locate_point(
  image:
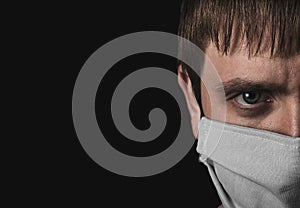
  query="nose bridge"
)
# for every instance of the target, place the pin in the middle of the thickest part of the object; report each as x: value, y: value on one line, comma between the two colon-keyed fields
x: 291, y: 116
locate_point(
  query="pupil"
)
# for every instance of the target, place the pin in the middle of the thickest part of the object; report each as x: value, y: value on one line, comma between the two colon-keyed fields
x: 251, y: 97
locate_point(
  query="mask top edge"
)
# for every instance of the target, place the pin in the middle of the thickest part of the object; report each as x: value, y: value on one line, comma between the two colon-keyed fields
x: 206, y: 123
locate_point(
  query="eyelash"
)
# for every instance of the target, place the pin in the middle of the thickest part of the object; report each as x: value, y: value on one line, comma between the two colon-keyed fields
x: 264, y: 99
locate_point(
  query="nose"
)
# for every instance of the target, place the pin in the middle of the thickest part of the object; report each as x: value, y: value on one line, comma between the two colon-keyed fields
x: 289, y: 123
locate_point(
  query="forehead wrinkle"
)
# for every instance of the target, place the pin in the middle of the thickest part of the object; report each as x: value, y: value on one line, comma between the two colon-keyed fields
x: 283, y: 71
x: 292, y: 72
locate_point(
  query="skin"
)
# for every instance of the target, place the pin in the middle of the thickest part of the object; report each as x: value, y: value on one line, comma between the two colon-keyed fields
x: 276, y: 107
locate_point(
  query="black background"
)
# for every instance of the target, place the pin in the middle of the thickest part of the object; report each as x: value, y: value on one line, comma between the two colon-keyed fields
x: 66, y: 35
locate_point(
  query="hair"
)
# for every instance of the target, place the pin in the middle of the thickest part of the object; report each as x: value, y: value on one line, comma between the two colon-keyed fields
x: 261, y: 26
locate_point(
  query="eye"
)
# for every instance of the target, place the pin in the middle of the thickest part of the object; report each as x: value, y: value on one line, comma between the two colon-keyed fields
x: 252, y: 103
x: 252, y: 98
x: 248, y: 98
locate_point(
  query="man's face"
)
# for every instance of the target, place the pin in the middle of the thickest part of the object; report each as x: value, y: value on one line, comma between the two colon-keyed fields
x: 261, y: 93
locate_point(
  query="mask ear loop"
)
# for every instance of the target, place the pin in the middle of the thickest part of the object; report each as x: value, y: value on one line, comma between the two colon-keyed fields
x: 227, y: 203
x: 220, y: 190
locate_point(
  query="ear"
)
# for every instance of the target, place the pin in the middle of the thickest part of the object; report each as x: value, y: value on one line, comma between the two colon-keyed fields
x: 185, y: 84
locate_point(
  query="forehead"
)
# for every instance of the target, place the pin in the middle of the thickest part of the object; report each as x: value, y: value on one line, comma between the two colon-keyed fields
x: 258, y: 68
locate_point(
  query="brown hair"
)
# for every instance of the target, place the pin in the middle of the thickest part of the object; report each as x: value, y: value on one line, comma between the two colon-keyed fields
x: 263, y: 25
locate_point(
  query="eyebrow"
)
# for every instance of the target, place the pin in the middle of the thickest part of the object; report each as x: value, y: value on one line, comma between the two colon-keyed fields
x: 242, y: 85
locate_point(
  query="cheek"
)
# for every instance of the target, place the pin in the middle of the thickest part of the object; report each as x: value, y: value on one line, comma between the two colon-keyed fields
x: 205, y: 101
x: 206, y: 105
x: 212, y: 104
x: 257, y: 120
x: 284, y: 120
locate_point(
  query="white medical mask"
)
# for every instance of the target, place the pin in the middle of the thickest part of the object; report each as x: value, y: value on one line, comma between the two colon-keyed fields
x: 250, y: 167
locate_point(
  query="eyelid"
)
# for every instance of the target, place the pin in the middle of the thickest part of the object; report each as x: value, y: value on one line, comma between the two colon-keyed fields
x: 252, y: 110
x: 238, y: 84
x: 235, y: 93
x: 261, y: 99
x: 257, y: 105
